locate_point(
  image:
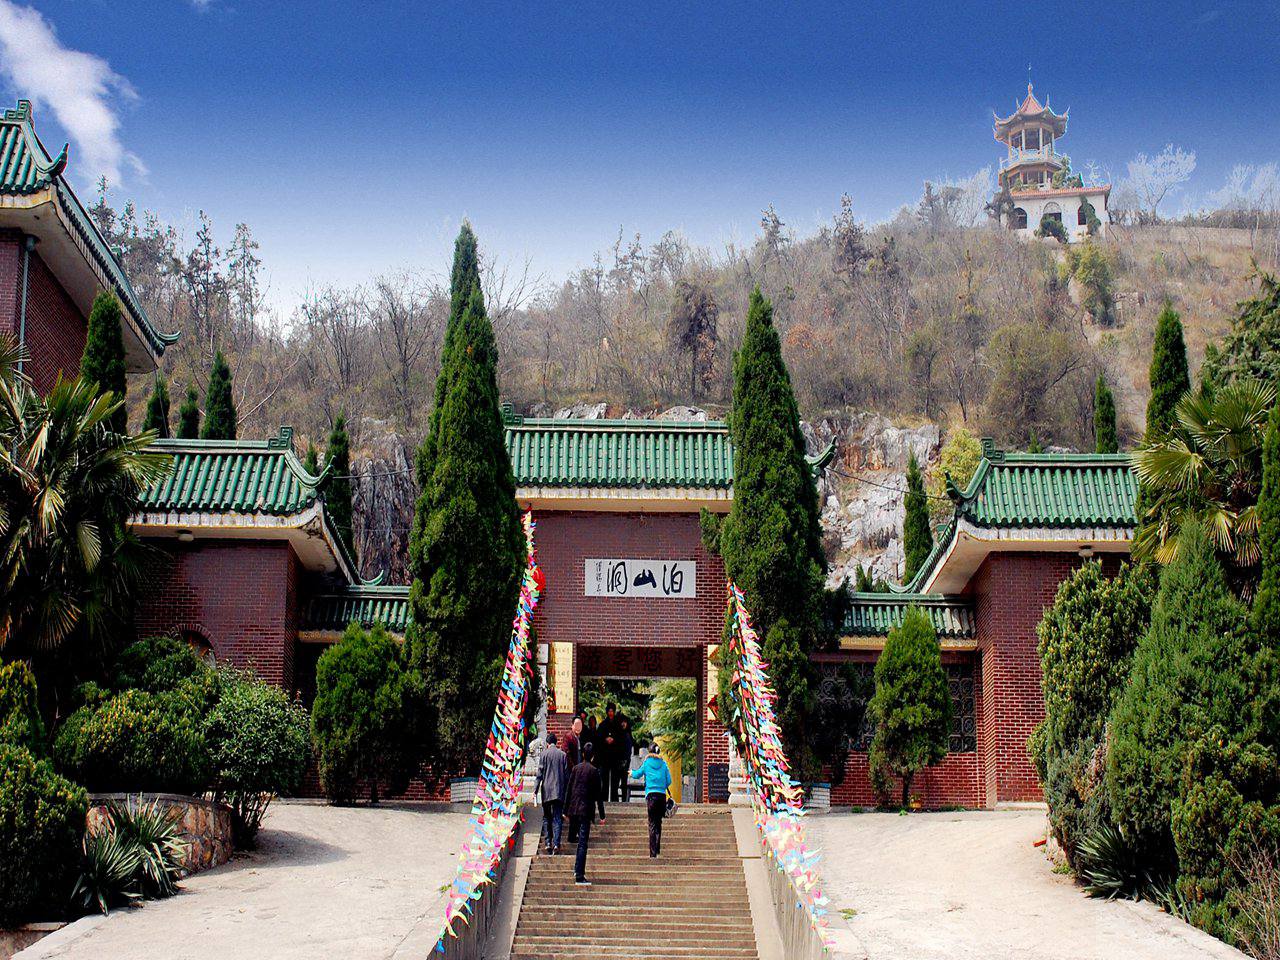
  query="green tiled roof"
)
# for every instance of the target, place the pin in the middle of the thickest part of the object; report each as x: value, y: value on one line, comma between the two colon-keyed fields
x: 875, y: 614
x: 1051, y: 490
x: 620, y: 453
x: 26, y: 167
x: 233, y: 476
x: 364, y: 604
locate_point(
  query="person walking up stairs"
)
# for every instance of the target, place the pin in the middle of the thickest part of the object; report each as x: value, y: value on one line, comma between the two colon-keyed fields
x: 691, y: 904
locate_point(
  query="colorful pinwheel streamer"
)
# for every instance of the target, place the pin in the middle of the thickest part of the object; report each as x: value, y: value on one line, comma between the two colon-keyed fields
x: 776, y: 799
x: 496, y: 809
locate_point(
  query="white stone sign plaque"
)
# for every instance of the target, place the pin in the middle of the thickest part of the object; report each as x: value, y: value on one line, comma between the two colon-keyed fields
x: 669, y: 579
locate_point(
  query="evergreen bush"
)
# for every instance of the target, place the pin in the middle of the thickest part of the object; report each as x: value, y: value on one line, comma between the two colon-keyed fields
x: 134, y: 741
x: 1188, y: 672
x: 1052, y: 227
x: 103, y: 359
x: 337, y: 494
x: 362, y: 718
x: 155, y: 664
x: 258, y: 741
x: 1105, y: 437
x: 189, y: 416
x: 911, y: 706
x: 917, y: 535
x: 20, y: 721
x: 1169, y: 375
x: 42, y: 817
x: 157, y: 415
x: 1086, y: 644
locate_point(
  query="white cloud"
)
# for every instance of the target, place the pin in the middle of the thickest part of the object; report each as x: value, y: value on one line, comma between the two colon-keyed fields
x: 81, y: 89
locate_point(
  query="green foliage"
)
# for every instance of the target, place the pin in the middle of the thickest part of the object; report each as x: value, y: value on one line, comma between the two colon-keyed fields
x: 103, y: 360
x: 219, y: 404
x: 1189, y: 672
x: 1092, y: 224
x: 467, y: 549
x: 41, y: 820
x: 311, y: 461
x: 843, y: 695
x: 911, y: 707
x: 155, y: 665
x: 1251, y: 350
x: 864, y: 581
x: 20, y: 721
x: 1086, y: 643
x: 1052, y: 227
x: 362, y: 718
x: 1170, y: 378
x: 1090, y: 267
x: 189, y: 416
x: 258, y: 741
x: 69, y: 482
x: 157, y: 416
x: 1105, y: 437
x: 957, y: 461
x: 134, y: 741
x: 1266, y: 603
x: 1207, y: 469
x: 917, y: 535
x: 673, y: 715
x: 1111, y: 867
x: 135, y: 852
x: 337, y: 494
x: 771, y: 540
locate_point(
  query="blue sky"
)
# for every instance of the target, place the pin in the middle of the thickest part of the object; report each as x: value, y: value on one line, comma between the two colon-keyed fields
x: 353, y: 138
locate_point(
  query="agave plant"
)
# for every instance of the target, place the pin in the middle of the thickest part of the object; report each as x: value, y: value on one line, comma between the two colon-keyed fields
x: 1208, y: 469
x: 108, y: 871
x: 153, y: 831
x: 68, y: 483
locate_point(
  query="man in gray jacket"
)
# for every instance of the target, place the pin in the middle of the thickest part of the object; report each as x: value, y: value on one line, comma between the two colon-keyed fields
x: 553, y: 770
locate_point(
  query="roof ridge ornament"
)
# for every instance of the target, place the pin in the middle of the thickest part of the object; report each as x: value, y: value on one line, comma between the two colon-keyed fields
x: 282, y: 442
x: 990, y: 451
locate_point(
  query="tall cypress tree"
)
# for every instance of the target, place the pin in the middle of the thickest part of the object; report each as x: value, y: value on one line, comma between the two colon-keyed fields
x: 312, y: 459
x: 1170, y: 378
x: 219, y: 404
x: 917, y: 537
x: 337, y: 496
x: 1266, y: 603
x: 157, y: 417
x: 771, y: 540
x: 103, y: 360
x: 1104, y: 418
x: 467, y: 549
x: 189, y: 416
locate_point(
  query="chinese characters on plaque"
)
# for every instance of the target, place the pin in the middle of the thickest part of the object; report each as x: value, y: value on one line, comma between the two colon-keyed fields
x: 674, y: 579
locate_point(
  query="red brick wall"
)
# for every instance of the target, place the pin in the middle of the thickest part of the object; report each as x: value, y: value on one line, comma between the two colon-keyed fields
x: 241, y: 595
x: 55, y: 328
x: 1011, y: 591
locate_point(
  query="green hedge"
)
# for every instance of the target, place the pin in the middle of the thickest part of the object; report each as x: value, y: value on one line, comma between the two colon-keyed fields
x: 42, y: 818
x: 20, y: 723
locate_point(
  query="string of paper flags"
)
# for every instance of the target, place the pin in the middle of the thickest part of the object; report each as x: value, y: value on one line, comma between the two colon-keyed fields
x: 496, y: 809
x: 776, y: 799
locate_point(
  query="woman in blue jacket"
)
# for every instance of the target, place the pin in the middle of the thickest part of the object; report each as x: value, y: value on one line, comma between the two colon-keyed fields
x: 656, y: 776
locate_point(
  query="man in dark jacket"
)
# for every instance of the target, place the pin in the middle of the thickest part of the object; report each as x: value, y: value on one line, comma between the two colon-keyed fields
x: 583, y: 796
x: 606, y: 746
x: 553, y: 771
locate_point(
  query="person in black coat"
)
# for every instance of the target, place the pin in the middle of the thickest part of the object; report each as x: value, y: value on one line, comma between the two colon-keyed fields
x: 584, y: 796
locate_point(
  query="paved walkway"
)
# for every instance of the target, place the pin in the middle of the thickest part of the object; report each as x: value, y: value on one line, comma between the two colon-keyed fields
x: 354, y: 883
x: 971, y: 886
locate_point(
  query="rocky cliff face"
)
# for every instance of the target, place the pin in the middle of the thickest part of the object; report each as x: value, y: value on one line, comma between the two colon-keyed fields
x: 861, y: 492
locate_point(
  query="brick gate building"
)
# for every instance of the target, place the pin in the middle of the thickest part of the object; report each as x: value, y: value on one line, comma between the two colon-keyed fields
x: 250, y: 568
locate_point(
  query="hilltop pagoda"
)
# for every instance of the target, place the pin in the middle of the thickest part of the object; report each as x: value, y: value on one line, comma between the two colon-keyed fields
x: 1037, y: 182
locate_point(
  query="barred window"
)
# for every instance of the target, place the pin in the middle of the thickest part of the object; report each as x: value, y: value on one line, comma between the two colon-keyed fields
x: 964, y: 721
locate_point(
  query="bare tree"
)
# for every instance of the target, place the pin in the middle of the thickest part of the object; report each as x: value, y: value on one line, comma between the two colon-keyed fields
x: 408, y: 324
x: 691, y: 329
x: 335, y: 322
x: 1152, y: 179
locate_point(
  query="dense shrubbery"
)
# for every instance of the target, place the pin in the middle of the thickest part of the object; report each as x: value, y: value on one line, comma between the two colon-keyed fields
x: 361, y: 720
x: 20, y: 723
x: 41, y: 821
x: 1086, y: 643
x: 258, y: 745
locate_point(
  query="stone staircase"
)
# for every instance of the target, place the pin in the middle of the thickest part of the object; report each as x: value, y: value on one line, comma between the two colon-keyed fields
x: 689, y: 904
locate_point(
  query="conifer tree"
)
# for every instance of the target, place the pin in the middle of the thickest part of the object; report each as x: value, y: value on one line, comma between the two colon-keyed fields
x: 467, y: 548
x: 157, y: 417
x: 1104, y: 418
x: 771, y: 541
x: 337, y: 495
x: 917, y: 537
x: 1266, y: 603
x: 311, y: 461
x: 189, y: 416
x: 911, y: 708
x: 1169, y: 374
x: 103, y: 359
x: 219, y: 404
